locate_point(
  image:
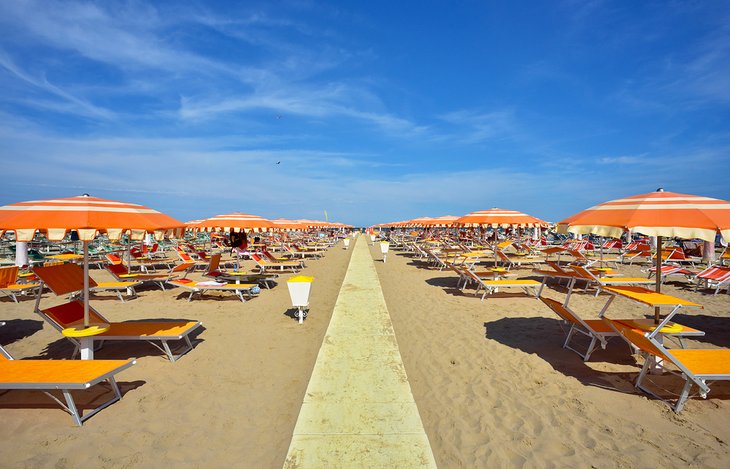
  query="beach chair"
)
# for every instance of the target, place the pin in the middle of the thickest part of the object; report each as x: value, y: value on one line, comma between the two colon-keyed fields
x: 10, y: 287
x: 677, y: 256
x: 291, y: 266
x: 636, y: 252
x: 716, y: 277
x: 62, y: 375
x: 69, y: 278
x: 694, y: 366
x: 601, y: 282
x: 725, y: 256
x: 491, y: 286
x: 120, y: 273
x: 512, y: 261
x: 214, y: 272
x: 668, y: 270
x: 241, y: 290
x: 187, y: 259
x: 596, y: 329
x: 296, y: 251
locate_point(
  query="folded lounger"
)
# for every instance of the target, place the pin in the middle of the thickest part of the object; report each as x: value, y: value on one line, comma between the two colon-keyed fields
x: 242, y: 290
x: 694, y: 366
x: 64, y: 279
x: 62, y: 375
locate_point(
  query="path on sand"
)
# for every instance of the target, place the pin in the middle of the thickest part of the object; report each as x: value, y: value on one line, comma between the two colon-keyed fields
x: 358, y: 410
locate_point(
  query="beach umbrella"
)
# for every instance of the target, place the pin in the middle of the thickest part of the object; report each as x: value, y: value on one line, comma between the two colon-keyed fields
x: 499, y: 218
x: 235, y: 222
x: 287, y: 225
x: 441, y: 222
x: 88, y: 217
x: 660, y: 214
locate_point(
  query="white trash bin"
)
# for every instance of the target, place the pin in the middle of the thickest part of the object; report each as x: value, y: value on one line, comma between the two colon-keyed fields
x: 299, y: 289
x: 384, y: 247
x: 347, y: 243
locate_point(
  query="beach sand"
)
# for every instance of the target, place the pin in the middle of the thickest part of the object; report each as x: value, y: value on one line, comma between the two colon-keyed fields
x: 495, y: 388
x: 492, y: 384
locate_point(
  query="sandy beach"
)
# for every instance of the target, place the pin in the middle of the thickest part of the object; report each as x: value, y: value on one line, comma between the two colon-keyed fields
x: 492, y: 384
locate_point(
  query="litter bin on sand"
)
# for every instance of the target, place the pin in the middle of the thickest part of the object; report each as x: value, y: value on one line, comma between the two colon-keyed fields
x: 299, y: 289
x: 384, y: 247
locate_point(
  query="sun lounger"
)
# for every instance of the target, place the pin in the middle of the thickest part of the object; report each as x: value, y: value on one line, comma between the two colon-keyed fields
x: 694, y: 366
x: 9, y: 285
x: 241, y: 290
x: 716, y: 277
x: 492, y: 286
x: 119, y: 272
x: 66, y: 278
x: 600, y: 332
x: 511, y: 261
x: 119, y: 288
x: 592, y: 279
x: 293, y: 266
x: 596, y: 329
x: 668, y: 270
x: 238, y: 276
x: 64, y: 376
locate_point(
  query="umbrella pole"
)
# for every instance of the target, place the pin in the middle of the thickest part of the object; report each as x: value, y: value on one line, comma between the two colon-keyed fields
x: 86, y: 284
x: 658, y: 275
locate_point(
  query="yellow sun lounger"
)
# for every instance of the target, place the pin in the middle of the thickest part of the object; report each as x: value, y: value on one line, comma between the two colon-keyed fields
x: 694, y: 366
x: 240, y: 289
x: 64, y: 279
x: 492, y: 286
x: 117, y: 287
x: 64, y: 376
x: 263, y: 265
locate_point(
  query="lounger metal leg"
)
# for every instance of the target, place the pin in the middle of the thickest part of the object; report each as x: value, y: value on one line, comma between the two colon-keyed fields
x: 683, y: 396
x: 71, y: 407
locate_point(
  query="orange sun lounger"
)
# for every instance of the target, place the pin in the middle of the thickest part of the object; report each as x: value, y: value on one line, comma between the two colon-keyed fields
x: 694, y: 366
x: 8, y: 285
x: 64, y: 376
x: 64, y: 279
x: 240, y: 289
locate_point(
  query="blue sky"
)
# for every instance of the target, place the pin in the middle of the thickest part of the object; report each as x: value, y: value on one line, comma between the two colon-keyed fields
x: 374, y: 111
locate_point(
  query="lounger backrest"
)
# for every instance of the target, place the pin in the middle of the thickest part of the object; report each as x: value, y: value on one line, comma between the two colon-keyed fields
x: 717, y: 273
x: 66, y: 314
x: 63, y: 279
x: 117, y: 269
x: 557, y: 267
x: 215, y: 262
x: 561, y: 310
x: 182, y: 267
x: 504, y: 257
x: 583, y: 272
x: 184, y: 256
x: 256, y: 258
x: 8, y: 275
x: 639, y: 340
x: 113, y: 259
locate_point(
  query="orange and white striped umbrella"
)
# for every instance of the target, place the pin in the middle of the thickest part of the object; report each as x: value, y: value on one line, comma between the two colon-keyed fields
x: 287, y: 225
x: 654, y: 214
x: 236, y: 222
x: 441, y: 222
x: 499, y: 218
x: 86, y: 215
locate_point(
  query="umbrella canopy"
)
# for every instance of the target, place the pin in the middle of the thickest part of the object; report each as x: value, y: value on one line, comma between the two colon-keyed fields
x: 654, y: 214
x: 287, y: 225
x: 88, y: 216
x: 441, y: 222
x: 236, y: 222
x: 498, y: 217
x: 657, y: 214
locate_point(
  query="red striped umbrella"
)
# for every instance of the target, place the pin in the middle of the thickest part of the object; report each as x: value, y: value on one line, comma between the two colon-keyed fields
x: 498, y: 217
x: 88, y: 216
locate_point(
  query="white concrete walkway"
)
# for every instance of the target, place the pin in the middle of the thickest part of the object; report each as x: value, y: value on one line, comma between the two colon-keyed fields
x: 359, y: 410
